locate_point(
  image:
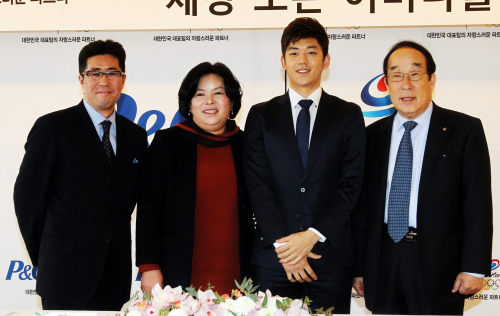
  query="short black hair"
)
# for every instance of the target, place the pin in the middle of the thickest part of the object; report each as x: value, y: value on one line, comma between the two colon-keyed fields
x: 429, y: 61
x: 304, y: 28
x: 108, y: 47
x: 190, y: 84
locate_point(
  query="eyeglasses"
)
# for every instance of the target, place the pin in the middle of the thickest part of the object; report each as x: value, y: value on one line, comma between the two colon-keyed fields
x: 97, y: 75
x: 399, y: 76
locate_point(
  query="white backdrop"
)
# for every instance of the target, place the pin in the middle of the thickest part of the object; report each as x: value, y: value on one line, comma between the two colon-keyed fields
x: 38, y: 74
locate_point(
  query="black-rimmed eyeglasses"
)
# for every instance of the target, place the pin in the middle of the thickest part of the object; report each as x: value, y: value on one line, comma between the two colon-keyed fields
x: 97, y: 75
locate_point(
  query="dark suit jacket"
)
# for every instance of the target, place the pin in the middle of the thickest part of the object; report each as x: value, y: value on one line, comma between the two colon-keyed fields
x: 286, y: 199
x: 71, y: 206
x: 166, y: 210
x: 454, y: 215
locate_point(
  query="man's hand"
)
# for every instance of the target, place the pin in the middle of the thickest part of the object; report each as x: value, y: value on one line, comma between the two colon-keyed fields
x: 358, y: 286
x: 300, y: 272
x: 298, y: 246
x: 149, y: 279
x: 467, y: 284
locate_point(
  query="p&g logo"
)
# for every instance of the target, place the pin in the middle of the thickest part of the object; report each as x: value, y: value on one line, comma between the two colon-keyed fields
x: 21, y: 271
x: 127, y: 107
x: 375, y: 94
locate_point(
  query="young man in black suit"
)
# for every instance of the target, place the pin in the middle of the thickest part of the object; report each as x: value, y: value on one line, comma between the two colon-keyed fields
x: 77, y: 188
x: 427, y: 198
x: 304, y: 158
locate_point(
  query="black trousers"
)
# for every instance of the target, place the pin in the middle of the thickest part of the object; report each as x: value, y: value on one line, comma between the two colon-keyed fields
x: 111, y: 293
x: 400, y: 287
x: 333, y: 288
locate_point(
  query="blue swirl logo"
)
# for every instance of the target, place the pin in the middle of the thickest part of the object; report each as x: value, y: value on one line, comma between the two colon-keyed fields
x: 127, y: 107
x: 375, y: 94
x: 494, y: 264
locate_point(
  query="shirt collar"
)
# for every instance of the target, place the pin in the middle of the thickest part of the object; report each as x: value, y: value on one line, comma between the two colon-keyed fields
x: 422, y: 120
x: 97, y: 117
x: 295, y: 97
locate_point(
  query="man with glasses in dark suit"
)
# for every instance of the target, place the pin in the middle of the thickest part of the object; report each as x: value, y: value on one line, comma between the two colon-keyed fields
x: 77, y: 188
x: 427, y: 198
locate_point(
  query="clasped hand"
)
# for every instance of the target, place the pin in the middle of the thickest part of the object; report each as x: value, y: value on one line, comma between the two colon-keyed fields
x: 293, y: 255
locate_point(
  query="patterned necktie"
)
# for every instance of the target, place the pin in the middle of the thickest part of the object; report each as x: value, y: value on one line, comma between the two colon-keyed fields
x: 399, y: 196
x: 302, y: 130
x: 106, y: 143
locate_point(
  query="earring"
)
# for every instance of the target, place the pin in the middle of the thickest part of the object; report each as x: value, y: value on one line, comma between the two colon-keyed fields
x: 231, y: 114
x: 189, y: 114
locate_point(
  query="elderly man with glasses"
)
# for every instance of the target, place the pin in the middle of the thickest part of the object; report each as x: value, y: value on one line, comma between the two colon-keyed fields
x: 427, y: 198
x: 77, y: 188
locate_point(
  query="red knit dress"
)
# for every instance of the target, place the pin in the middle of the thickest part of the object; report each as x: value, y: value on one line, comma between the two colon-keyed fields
x: 215, y: 251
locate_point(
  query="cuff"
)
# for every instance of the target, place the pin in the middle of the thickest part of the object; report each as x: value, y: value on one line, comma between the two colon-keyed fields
x: 477, y: 275
x: 279, y: 244
x: 148, y: 267
x: 322, y: 238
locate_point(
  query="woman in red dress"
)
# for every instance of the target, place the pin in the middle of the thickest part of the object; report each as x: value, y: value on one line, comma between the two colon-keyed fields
x: 193, y: 223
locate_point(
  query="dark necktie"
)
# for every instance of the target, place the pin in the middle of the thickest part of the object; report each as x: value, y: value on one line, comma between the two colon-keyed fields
x: 302, y: 131
x: 399, y: 196
x: 106, y: 143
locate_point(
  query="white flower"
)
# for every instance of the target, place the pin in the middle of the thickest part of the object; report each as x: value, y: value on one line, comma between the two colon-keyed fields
x: 167, y: 296
x: 191, y: 306
x: 151, y: 311
x: 243, y: 305
x: 134, y: 313
x: 177, y: 312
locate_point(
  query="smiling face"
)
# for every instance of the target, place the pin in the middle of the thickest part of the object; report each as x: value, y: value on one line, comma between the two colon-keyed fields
x: 304, y: 63
x: 210, y: 106
x: 411, y: 98
x: 102, y: 94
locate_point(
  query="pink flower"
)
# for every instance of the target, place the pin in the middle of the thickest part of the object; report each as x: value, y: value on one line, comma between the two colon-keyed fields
x: 206, y: 297
x: 295, y: 308
x: 191, y: 306
x: 151, y: 311
x: 167, y: 296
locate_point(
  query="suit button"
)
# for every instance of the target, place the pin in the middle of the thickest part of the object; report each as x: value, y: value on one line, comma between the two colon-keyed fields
x: 261, y: 238
x: 302, y: 190
x: 297, y: 215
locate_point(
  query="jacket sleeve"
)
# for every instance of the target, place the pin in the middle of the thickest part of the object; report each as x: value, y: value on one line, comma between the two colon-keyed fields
x: 337, y: 211
x: 151, y: 204
x: 32, y: 187
x: 259, y: 180
x: 477, y: 210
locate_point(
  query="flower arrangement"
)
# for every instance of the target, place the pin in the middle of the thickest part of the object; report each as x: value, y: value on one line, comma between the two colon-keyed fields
x: 242, y: 301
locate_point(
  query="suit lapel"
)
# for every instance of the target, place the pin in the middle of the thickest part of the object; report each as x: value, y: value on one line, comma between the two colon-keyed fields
x: 323, y: 119
x: 87, y: 131
x: 380, y: 156
x: 436, y: 140
x: 284, y: 123
x: 122, y: 146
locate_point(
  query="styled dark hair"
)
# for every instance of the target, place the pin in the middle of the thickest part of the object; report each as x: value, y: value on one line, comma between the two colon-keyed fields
x: 190, y: 84
x: 429, y: 61
x: 108, y: 47
x: 304, y: 28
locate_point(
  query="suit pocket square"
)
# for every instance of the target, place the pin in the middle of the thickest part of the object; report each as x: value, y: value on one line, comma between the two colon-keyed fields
x: 134, y: 161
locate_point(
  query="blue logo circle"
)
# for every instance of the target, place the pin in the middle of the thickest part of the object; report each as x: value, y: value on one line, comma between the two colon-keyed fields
x: 375, y: 94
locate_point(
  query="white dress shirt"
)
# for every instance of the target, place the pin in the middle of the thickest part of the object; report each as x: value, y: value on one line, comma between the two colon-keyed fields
x: 313, y: 110
x: 418, y: 140
x: 97, y: 118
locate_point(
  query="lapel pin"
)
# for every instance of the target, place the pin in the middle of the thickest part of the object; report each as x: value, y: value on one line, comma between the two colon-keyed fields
x: 444, y: 129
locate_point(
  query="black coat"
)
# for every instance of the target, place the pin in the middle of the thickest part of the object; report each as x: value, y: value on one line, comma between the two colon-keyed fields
x: 166, y: 210
x: 73, y: 210
x: 454, y: 212
x: 286, y: 199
